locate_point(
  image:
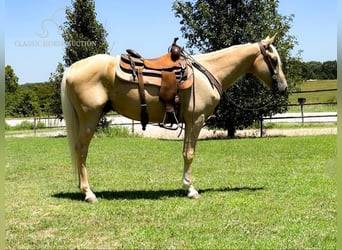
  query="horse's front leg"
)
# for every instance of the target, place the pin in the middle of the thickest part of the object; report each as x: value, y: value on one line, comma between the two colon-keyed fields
x: 192, y: 130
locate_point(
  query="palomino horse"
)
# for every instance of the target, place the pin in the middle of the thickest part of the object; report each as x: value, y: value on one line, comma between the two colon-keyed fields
x: 89, y: 85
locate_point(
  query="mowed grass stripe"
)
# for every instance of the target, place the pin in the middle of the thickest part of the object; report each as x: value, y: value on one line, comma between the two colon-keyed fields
x: 256, y: 193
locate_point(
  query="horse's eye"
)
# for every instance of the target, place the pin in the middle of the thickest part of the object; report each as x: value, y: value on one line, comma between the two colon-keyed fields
x: 275, y: 61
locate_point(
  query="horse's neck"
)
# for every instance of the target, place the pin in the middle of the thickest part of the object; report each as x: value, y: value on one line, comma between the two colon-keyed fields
x: 229, y: 64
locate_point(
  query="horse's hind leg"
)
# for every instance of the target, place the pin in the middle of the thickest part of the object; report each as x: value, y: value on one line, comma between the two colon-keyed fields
x: 86, y: 132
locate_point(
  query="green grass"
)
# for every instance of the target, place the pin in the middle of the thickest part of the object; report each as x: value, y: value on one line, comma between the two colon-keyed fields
x: 328, y: 96
x: 271, y: 193
x: 313, y: 108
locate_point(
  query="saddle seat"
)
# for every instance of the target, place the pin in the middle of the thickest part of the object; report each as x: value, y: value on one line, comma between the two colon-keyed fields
x: 163, y: 62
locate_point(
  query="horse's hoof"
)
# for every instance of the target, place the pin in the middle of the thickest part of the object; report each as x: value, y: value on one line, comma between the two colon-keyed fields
x: 192, y: 193
x: 91, y: 199
x: 194, y: 196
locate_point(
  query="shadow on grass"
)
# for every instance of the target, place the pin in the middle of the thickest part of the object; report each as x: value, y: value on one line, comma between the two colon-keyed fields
x: 149, y: 194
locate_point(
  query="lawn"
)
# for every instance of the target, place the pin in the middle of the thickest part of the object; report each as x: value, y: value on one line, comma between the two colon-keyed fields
x: 316, y: 97
x: 270, y: 193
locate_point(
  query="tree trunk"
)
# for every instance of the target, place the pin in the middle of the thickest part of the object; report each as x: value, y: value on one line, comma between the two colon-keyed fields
x: 230, y: 131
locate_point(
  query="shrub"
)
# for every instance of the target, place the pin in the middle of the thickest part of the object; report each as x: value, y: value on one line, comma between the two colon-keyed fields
x: 25, y: 125
x: 117, y: 131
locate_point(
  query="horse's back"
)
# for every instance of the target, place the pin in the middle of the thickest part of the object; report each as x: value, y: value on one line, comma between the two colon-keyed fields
x: 98, y: 66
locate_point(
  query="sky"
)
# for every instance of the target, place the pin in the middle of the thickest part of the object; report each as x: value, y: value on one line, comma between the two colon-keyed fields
x: 34, y: 45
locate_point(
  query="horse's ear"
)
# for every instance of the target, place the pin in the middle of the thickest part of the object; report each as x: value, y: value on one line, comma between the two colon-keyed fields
x: 268, y: 41
x: 272, y: 38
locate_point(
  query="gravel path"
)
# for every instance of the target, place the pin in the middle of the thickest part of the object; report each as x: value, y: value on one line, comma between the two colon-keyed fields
x: 157, y: 132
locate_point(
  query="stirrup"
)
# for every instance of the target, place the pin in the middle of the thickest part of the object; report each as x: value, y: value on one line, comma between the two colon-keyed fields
x: 169, y: 121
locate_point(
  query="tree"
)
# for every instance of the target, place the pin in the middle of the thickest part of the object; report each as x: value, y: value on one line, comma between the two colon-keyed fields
x: 24, y: 100
x: 42, y: 92
x: 84, y: 36
x: 329, y: 70
x: 11, y: 86
x: 210, y: 25
x: 11, y: 80
x: 22, y: 103
x: 314, y: 69
x: 56, y: 79
x: 27, y: 104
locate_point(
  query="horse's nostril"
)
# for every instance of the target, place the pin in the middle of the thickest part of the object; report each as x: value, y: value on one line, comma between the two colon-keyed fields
x: 283, y: 92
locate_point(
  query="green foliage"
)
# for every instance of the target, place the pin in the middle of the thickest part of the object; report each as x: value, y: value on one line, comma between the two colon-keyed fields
x: 212, y: 25
x: 22, y: 103
x: 311, y: 70
x: 318, y: 70
x: 271, y: 193
x: 11, y: 80
x: 114, y: 132
x: 84, y: 36
x: 31, y: 99
x: 329, y: 70
x: 56, y: 79
x: 11, y: 86
x: 43, y: 91
x: 25, y: 125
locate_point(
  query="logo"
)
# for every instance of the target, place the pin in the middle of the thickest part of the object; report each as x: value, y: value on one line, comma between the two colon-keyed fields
x: 50, y: 22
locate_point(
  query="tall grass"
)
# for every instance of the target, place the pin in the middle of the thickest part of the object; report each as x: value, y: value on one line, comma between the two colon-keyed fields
x: 271, y: 193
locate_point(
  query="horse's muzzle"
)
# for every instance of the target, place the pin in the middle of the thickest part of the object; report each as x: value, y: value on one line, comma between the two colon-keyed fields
x: 283, y: 92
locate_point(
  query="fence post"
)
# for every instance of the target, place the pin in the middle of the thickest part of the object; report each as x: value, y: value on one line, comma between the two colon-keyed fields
x: 132, y: 128
x: 34, y: 124
x: 301, y: 101
x: 261, y: 125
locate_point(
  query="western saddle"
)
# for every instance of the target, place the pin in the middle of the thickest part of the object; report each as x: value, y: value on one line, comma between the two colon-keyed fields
x: 169, y: 72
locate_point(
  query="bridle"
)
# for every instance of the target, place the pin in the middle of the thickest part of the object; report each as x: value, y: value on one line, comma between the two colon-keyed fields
x: 274, y: 76
x: 271, y: 68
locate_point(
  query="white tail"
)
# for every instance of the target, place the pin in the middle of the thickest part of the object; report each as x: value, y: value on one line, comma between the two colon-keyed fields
x: 71, y: 121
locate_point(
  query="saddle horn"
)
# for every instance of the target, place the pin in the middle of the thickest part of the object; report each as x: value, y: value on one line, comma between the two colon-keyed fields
x: 175, y: 50
x: 175, y: 41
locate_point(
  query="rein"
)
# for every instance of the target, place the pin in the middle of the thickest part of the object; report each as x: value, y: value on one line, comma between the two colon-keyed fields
x: 228, y: 98
x: 213, y: 81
